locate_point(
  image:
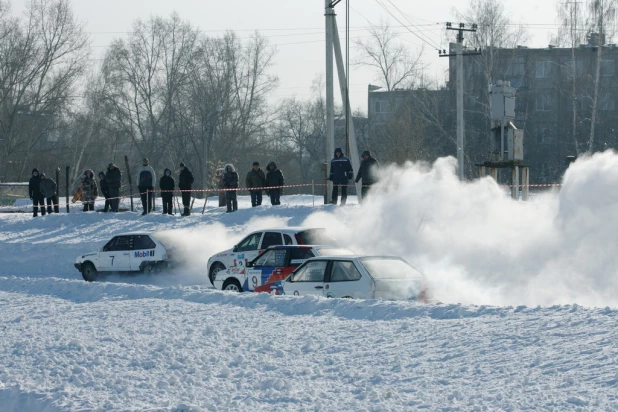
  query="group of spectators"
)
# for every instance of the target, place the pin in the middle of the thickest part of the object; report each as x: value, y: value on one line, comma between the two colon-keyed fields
x: 44, y: 190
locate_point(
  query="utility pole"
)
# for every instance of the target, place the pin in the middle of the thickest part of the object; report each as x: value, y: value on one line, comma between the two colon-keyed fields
x: 330, y: 95
x: 459, y: 53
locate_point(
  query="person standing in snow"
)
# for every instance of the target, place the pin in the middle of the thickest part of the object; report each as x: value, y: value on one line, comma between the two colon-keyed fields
x: 113, y: 177
x: 146, y: 178
x: 48, y: 190
x: 255, y: 178
x: 367, y: 172
x: 185, y: 180
x: 167, y: 186
x: 274, y: 177
x: 34, y: 190
x: 105, y: 190
x: 340, y: 172
x: 89, y: 190
x: 230, y: 181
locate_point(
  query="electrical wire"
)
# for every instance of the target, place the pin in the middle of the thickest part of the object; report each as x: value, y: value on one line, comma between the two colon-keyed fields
x: 430, y: 43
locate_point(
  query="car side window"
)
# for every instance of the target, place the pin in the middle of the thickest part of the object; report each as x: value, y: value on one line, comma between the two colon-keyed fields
x: 311, y: 272
x: 271, y: 239
x: 110, y: 245
x: 121, y: 243
x: 274, y: 258
x: 143, y: 242
x: 299, y: 255
x: 251, y: 242
x: 287, y: 239
x: 344, y: 271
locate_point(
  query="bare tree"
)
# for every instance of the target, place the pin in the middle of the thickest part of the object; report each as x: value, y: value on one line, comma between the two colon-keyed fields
x: 390, y: 59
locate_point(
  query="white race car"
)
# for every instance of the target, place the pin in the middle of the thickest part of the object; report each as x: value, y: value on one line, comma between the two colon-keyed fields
x: 125, y: 253
x: 258, y: 241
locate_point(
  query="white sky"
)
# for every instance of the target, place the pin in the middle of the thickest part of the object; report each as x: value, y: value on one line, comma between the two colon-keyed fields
x: 296, y: 28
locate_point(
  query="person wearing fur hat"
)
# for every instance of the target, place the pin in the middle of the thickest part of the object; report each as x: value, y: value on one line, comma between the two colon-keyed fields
x: 185, y: 182
x: 89, y: 190
x: 145, y: 183
x: 113, y: 177
x: 34, y: 190
x: 167, y: 186
x: 105, y: 190
x: 48, y: 190
x: 274, y: 177
x: 230, y: 181
x: 367, y: 172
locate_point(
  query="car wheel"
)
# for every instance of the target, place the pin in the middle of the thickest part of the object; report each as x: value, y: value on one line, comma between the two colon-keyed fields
x: 148, y: 268
x: 89, y: 273
x: 214, y: 269
x: 232, y: 285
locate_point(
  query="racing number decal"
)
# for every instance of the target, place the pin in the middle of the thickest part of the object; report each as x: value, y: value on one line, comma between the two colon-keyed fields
x: 254, y: 280
x: 112, y: 260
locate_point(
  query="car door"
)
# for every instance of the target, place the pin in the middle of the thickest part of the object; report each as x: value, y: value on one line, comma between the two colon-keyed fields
x: 246, y: 250
x: 143, y: 251
x: 344, y: 280
x: 267, y: 268
x: 308, y: 279
x: 115, y: 256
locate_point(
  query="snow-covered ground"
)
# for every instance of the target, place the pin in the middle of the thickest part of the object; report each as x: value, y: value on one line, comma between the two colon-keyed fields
x: 528, y: 318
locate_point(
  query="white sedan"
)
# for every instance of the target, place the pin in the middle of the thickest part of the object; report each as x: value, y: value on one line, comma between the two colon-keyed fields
x: 127, y: 252
x: 366, y: 277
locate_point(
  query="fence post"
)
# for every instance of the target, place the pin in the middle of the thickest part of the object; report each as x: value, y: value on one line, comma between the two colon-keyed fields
x: 126, y: 161
x: 57, y: 187
x: 67, y: 187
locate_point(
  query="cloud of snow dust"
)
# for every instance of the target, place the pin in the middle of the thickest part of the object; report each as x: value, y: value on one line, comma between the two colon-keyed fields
x: 477, y: 245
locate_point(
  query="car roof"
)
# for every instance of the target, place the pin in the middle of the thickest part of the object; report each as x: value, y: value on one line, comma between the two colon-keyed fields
x: 355, y: 257
x: 288, y: 229
x: 141, y: 232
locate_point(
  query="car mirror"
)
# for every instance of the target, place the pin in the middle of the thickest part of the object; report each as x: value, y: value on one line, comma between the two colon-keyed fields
x: 249, y: 264
x: 235, y: 249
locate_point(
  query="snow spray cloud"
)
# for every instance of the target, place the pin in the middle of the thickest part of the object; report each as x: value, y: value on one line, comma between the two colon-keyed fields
x: 477, y: 245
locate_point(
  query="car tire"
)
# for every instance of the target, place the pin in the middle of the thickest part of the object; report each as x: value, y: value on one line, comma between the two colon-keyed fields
x: 148, y: 268
x: 232, y: 285
x: 214, y: 269
x: 89, y: 273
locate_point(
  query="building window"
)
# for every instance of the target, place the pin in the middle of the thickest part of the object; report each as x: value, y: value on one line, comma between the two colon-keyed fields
x: 517, y: 68
x: 574, y: 68
x: 607, y: 68
x: 543, y: 69
x: 544, y: 135
x: 382, y: 106
x: 607, y: 102
x: 543, y: 103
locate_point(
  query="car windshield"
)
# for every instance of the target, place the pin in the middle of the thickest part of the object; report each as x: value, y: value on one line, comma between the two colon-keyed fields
x: 314, y: 237
x: 389, y: 268
x: 329, y: 251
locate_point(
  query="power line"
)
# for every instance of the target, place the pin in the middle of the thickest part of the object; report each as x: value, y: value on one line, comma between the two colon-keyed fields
x: 405, y: 16
x: 431, y: 44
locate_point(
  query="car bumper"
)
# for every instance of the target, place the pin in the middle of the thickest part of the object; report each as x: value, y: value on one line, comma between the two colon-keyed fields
x: 78, y: 266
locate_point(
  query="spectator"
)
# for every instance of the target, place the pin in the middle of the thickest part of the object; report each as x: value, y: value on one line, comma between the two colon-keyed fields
x: 367, y: 172
x: 167, y: 186
x: 230, y: 180
x: 185, y: 180
x: 255, y: 178
x: 89, y: 190
x: 340, y: 172
x: 274, y: 177
x: 146, y: 178
x: 34, y: 189
x: 48, y: 190
x: 105, y: 190
x: 113, y: 177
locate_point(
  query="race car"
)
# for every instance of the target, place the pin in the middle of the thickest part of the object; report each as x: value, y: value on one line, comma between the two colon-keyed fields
x: 258, y: 241
x: 267, y: 270
x: 126, y: 253
x: 358, y: 277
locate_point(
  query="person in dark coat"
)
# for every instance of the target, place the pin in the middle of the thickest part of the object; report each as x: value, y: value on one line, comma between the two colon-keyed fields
x: 255, y: 178
x: 48, y: 190
x: 274, y: 177
x: 367, y: 172
x: 167, y: 186
x: 34, y: 190
x: 89, y: 190
x: 113, y: 177
x: 105, y: 190
x: 230, y: 181
x: 185, y: 181
x: 340, y: 172
x: 146, y: 179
